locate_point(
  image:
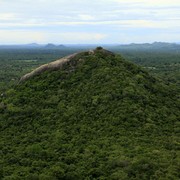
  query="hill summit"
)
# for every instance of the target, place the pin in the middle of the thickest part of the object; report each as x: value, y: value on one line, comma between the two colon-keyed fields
x: 59, y: 64
x: 91, y: 115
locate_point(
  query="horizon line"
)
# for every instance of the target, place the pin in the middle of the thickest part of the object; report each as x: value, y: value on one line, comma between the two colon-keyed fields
x: 34, y: 43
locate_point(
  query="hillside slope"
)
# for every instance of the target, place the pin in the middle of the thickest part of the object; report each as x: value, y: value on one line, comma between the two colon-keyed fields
x: 98, y: 117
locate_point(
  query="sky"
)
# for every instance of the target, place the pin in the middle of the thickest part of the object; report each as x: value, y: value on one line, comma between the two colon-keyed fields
x: 89, y: 21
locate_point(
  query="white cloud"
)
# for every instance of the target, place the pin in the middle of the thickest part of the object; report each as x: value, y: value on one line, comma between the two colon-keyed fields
x: 86, y: 17
x: 149, y: 2
x: 9, y: 37
x: 151, y: 37
x: 45, y: 37
x: 7, y: 16
x: 152, y: 24
x: 83, y: 36
x: 94, y: 18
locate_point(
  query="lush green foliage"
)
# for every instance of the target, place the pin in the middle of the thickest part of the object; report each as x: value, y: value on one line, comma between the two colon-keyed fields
x: 161, y: 60
x: 99, y: 118
x: 14, y: 63
x: 165, y: 65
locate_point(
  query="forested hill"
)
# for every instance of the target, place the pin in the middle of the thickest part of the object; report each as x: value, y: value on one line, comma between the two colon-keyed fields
x: 97, y: 117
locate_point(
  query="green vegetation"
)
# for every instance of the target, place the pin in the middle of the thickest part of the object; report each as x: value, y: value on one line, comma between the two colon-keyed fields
x: 14, y: 63
x: 159, y: 59
x: 164, y: 65
x: 100, y: 117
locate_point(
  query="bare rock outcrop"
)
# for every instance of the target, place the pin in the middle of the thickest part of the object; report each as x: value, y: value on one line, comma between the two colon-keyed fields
x: 55, y: 65
x: 59, y: 64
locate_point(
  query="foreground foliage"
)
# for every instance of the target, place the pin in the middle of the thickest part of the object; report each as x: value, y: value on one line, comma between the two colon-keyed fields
x: 99, y: 118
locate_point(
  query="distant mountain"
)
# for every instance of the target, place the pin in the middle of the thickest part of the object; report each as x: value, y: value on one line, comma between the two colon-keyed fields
x: 53, y: 46
x: 61, y: 46
x: 91, y: 115
x: 33, y: 45
x: 156, y: 46
x: 49, y: 45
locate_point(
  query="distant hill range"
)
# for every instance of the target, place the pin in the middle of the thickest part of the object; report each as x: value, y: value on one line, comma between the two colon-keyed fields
x: 52, y: 46
x: 32, y: 46
x: 153, y: 46
x: 156, y: 46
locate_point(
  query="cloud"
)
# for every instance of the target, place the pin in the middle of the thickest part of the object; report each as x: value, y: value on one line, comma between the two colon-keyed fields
x: 152, y: 24
x: 86, y: 17
x: 150, y: 2
x: 149, y: 37
x: 42, y: 18
x: 45, y: 37
x: 82, y: 37
x: 7, y: 16
x: 13, y: 37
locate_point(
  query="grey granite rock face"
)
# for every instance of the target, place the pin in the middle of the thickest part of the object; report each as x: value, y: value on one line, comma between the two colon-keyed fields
x: 59, y: 64
x: 55, y: 65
